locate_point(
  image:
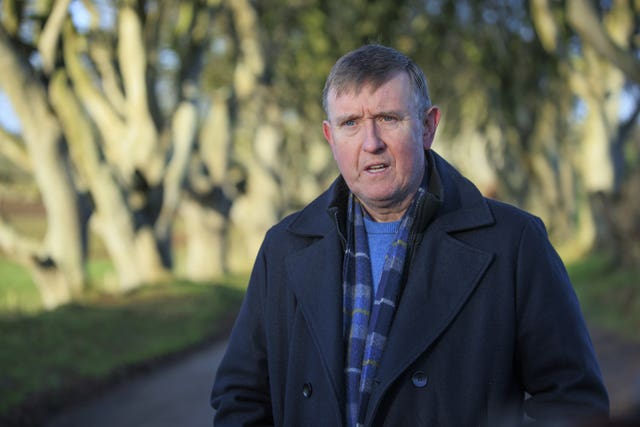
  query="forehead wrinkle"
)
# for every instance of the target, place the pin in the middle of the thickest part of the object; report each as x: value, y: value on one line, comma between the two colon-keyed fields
x: 357, y: 86
x: 372, y: 85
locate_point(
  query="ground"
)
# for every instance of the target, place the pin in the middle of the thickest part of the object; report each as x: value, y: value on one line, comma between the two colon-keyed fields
x: 177, y: 392
x: 620, y: 363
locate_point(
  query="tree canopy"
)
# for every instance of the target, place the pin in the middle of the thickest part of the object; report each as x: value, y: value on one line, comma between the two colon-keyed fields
x: 137, y: 115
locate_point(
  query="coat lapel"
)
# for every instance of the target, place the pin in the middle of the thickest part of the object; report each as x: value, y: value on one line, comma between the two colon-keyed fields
x: 434, y: 294
x: 314, y: 277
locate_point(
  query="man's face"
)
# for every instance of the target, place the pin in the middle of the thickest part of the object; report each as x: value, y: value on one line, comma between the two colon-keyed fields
x: 378, y: 140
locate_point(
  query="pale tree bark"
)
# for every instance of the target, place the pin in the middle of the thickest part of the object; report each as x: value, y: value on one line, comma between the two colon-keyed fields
x: 205, y: 231
x: 545, y: 23
x: 597, y: 165
x: 183, y: 130
x: 12, y: 148
x: 467, y: 146
x: 256, y: 211
x: 308, y: 167
x: 57, y: 267
x: 599, y: 82
x: 51, y: 34
x: 551, y: 188
x: 607, y: 40
x: 597, y: 77
x: 123, y: 157
x: 139, y: 148
x: 204, y: 210
x: 131, y: 148
x: 257, y: 140
x: 111, y: 217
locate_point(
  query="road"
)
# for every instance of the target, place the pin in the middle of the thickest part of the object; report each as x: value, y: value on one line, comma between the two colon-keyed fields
x: 176, y: 395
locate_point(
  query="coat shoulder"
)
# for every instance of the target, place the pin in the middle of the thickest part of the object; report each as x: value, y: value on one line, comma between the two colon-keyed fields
x: 507, y: 213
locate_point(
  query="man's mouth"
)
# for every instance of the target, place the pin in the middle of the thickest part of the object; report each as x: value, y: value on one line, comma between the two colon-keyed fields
x: 376, y: 168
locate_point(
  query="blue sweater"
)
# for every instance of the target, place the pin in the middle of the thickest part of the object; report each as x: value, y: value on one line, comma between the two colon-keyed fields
x: 380, y: 236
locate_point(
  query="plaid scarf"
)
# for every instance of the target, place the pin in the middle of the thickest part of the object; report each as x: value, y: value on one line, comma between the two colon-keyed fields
x: 366, y: 326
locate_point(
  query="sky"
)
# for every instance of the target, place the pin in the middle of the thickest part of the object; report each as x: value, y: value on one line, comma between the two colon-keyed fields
x: 8, y: 119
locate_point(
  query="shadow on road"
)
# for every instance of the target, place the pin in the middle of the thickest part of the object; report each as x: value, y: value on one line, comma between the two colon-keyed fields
x: 176, y: 395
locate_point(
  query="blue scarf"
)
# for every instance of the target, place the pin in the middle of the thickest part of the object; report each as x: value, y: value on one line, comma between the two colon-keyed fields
x: 366, y: 326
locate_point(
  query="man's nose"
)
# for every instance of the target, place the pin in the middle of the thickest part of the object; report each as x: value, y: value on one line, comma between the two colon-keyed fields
x: 372, y: 140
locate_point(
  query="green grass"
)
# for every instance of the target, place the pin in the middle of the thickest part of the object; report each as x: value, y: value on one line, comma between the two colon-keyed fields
x: 609, y: 294
x: 19, y: 295
x: 17, y: 291
x: 91, y: 340
x: 46, y: 352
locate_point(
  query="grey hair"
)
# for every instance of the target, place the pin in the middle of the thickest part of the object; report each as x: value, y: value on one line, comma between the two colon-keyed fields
x: 374, y: 65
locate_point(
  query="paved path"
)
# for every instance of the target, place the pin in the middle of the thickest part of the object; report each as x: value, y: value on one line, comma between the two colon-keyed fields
x: 174, y: 396
x: 620, y: 364
x: 177, y: 395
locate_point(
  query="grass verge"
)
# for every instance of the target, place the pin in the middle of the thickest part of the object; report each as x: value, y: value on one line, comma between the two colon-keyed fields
x: 609, y: 294
x: 48, y: 358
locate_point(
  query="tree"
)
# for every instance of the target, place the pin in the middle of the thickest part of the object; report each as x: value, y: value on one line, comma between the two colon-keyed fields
x: 145, y: 114
x: 56, y: 264
x: 600, y: 66
x: 93, y: 126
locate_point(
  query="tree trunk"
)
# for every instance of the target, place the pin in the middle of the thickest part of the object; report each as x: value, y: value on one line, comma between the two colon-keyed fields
x: 58, y: 268
x: 256, y: 211
x: 205, y: 242
x: 257, y: 141
x: 212, y: 184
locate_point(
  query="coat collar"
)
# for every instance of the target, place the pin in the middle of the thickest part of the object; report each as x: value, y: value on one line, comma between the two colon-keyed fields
x: 315, y: 274
x: 463, y: 206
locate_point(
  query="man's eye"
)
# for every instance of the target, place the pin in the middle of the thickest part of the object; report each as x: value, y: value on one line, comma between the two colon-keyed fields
x: 349, y: 123
x: 388, y: 118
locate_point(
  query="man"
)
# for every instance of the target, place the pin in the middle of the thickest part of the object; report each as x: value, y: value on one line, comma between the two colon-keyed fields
x: 401, y: 296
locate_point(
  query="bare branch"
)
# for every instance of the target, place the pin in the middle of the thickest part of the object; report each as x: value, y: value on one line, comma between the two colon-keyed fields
x: 51, y: 34
x: 102, y: 56
x: 251, y: 63
x: 110, y: 125
x: 583, y: 18
x: 9, y: 16
x: 19, y: 248
x: 132, y: 58
x: 141, y: 139
x: 25, y: 92
x: 76, y: 127
x: 545, y: 24
x: 94, y: 13
x: 185, y: 125
x: 13, y: 149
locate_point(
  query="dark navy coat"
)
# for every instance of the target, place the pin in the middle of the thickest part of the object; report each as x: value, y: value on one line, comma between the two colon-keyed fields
x: 488, y: 330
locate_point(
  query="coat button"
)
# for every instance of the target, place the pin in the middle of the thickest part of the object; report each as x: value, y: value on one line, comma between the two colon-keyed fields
x: 307, y: 390
x: 419, y: 379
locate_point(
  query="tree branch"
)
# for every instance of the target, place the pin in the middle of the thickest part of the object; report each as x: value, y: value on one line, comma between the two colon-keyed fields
x: 19, y: 248
x: 141, y: 138
x: 583, y: 18
x: 51, y: 34
x: 102, y: 56
x: 545, y: 24
x: 184, y: 128
x: 9, y: 15
x: 110, y: 125
x: 13, y: 149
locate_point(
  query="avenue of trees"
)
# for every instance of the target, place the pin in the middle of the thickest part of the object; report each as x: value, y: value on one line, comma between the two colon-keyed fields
x: 135, y: 116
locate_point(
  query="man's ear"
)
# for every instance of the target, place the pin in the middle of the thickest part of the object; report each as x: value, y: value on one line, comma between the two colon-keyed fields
x: 326, y: 131
x: 431, y: 120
